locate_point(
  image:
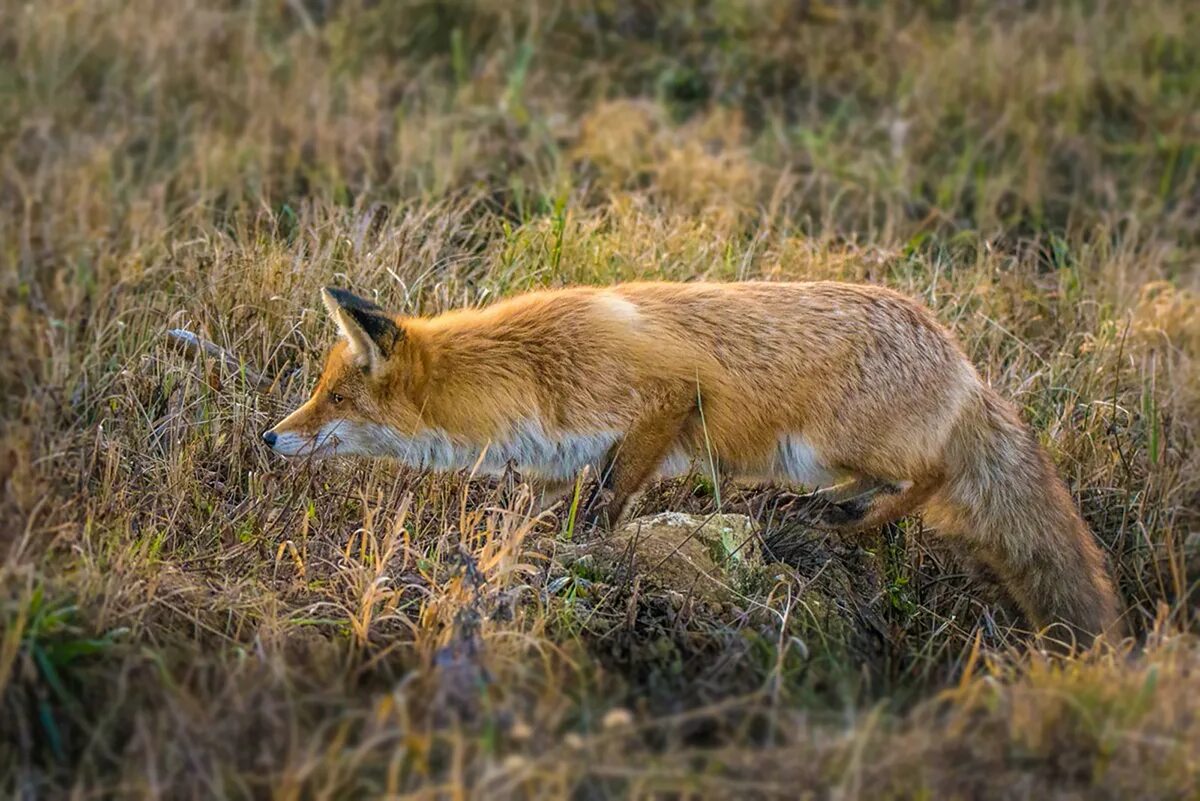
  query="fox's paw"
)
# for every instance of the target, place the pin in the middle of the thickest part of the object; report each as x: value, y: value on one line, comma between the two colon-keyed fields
x: 599, y: 508
x: 819, y: 511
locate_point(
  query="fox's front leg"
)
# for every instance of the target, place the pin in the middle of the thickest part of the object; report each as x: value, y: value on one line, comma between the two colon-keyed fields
x: 549, y: 493
x: 637, y: 456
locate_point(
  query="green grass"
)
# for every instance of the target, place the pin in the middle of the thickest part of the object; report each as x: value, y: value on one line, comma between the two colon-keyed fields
x: 183, y: 615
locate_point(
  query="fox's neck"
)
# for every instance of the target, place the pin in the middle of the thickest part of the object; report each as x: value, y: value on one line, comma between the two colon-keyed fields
x: 472, y: 387
x: 469, y: 383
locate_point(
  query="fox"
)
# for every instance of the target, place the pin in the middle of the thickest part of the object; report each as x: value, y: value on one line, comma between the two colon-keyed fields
x: 853, y: 391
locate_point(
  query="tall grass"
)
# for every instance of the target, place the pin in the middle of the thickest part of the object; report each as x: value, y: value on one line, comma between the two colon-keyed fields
x: 185, y: 616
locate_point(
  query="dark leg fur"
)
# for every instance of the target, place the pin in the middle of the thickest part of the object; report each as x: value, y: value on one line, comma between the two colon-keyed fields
x: 639, y: 453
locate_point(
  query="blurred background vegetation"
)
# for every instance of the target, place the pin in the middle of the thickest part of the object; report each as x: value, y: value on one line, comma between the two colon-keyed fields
x: 184, y: 616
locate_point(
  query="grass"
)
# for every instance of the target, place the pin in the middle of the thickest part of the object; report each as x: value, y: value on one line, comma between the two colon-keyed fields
x: 185, y: 616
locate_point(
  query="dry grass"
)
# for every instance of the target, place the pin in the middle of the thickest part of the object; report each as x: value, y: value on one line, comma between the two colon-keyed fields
x: 185, y: 616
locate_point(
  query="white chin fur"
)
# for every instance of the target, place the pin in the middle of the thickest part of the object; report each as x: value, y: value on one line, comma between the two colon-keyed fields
x: 293, y: 444
x: 339, y: 438
x: 529, y: 447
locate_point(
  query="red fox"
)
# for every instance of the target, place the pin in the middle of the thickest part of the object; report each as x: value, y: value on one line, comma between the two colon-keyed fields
x: 855, y: 390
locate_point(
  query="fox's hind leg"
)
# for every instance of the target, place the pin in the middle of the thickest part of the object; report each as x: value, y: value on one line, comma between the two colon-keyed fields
x: 862, y: 503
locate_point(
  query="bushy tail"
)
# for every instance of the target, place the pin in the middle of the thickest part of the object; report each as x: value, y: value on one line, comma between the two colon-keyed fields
x: 1003, y: 495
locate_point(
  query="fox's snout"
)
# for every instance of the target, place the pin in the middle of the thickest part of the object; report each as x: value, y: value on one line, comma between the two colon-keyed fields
x: 288, y: 443
x: 297, y: 443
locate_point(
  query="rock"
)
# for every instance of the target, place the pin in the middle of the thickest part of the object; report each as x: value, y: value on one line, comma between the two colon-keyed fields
x: 701, y: 556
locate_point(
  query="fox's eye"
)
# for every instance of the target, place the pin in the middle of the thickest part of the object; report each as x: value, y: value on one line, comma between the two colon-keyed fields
x: 336, y: 398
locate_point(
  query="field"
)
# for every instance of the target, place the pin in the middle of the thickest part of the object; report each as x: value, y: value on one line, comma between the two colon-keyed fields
x: 185, y: 615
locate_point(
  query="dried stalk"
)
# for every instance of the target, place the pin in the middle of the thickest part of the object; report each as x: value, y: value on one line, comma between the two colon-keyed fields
x: 192, y: 344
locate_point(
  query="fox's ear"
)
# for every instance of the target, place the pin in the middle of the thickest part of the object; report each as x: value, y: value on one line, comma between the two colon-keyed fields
x: 372, y: 332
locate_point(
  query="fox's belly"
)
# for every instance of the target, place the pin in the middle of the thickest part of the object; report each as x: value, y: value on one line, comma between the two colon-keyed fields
x: 794, y: 460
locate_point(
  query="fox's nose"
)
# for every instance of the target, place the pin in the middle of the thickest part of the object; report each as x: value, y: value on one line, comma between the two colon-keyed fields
x: 269, y: 437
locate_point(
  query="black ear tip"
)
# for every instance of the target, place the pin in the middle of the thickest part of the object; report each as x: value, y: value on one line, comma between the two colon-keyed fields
x: 349, y: 301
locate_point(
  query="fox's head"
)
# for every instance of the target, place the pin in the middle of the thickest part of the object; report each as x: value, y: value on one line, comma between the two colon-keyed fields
x: 366, y: 395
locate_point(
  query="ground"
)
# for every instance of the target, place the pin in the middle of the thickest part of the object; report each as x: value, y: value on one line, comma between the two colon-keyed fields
x: 184, y: 615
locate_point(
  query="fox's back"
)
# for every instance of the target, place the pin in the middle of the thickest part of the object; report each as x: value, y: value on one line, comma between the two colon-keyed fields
x: 755, y: 324
x: 816, y: 342
x: 743, y: 326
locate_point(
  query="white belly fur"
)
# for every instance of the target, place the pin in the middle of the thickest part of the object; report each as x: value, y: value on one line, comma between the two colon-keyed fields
x: 678, y: 463
x: 795, y: 461
x: 798, y: 462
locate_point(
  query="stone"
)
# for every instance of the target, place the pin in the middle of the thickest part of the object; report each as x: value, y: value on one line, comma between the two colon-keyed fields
x: 701, y: 556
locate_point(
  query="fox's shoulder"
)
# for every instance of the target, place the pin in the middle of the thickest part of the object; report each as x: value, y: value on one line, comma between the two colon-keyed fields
x: 537, y: 303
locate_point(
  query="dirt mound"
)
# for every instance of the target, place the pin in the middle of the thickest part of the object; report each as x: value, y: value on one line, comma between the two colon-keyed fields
x: 680, y: 572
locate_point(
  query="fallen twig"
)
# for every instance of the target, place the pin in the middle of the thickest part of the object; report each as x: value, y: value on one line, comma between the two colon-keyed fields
x: 192, y: 344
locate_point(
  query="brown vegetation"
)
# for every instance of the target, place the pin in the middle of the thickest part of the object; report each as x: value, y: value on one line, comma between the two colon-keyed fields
x: 183, y: 615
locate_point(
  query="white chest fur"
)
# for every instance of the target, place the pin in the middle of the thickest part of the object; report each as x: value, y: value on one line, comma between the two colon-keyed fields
x: 529, y: 447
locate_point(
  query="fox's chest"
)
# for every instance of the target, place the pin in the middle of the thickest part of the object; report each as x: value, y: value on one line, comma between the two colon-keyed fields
x: 528, y: 447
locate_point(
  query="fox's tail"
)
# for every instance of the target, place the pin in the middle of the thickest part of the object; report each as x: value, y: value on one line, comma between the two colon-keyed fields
x: 1003, y: 495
